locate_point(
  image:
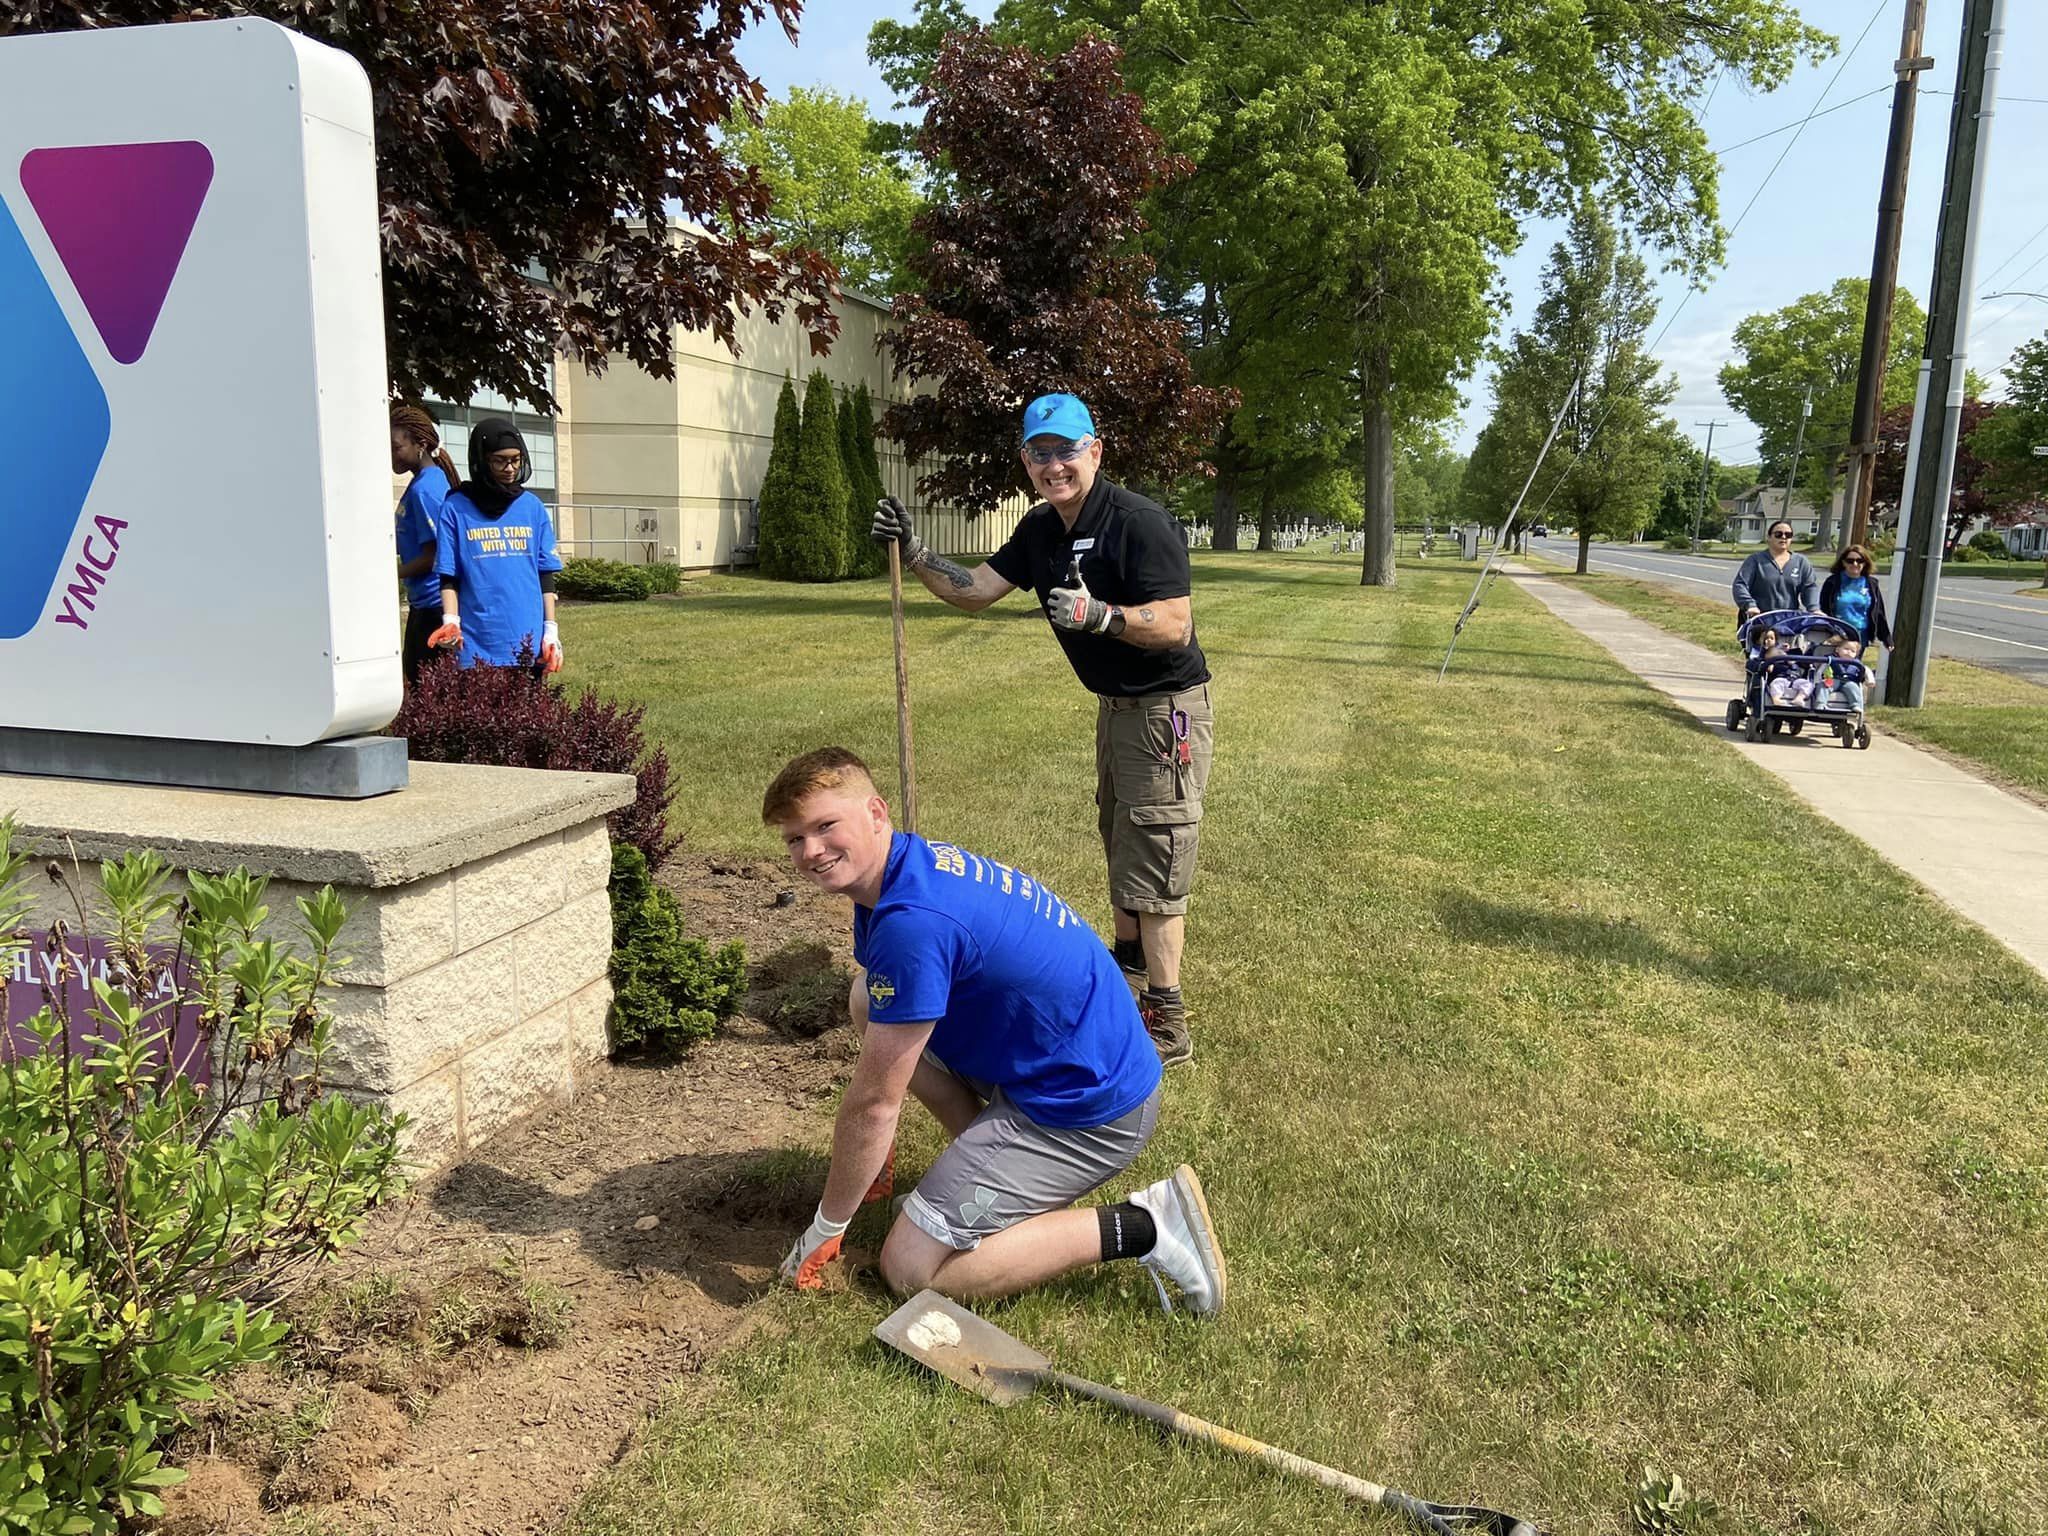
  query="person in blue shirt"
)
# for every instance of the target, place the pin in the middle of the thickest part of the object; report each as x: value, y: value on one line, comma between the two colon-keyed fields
x: 982, y: 993
x: 1852, y: 594
x: 496, y: 558
x: 416, y: 451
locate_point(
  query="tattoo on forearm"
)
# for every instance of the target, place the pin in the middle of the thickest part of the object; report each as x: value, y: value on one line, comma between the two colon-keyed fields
x: 959, y: 576
x: 1145, y: 614
x: 1187, y: 633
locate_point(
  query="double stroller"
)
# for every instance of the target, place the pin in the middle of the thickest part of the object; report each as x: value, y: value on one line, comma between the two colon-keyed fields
x: 1799, y: 679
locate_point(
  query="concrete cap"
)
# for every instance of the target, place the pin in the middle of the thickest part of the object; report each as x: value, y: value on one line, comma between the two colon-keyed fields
x: 451, y: 814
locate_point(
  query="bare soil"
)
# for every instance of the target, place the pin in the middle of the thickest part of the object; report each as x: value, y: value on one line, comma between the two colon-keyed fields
x: 418, y: 1399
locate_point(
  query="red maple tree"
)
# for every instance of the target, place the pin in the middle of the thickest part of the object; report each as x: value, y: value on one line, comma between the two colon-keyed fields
x: 532, y: 157
x: 1973, y: 495
x: 1030, y: 277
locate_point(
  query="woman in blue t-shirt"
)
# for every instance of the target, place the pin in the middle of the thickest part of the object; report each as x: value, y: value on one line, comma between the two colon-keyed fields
x: 416, y: 450
x: 1852, y: 595
x: 496, y: 559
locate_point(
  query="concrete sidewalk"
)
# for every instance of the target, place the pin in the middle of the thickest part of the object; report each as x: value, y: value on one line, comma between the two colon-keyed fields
x: 1981, y: 850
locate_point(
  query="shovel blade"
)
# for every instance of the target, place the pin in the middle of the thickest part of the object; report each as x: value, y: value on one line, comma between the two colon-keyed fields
x: 968, y: 1351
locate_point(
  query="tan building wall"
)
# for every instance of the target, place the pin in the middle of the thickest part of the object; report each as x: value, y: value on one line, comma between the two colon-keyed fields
x: 652, y: 469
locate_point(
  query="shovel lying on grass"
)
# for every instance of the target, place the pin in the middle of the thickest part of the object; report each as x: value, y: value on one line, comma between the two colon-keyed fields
x: 988, y: 1362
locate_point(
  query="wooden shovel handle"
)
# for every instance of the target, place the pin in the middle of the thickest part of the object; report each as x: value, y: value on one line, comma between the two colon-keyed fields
x: 903, y: 757
x: 1186, y: 1424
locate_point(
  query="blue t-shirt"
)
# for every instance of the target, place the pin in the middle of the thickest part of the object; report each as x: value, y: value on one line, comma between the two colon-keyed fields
x: 1852, y: 603
x: 496, y: 563
x: 1025, y: 995
x: 419, y: 521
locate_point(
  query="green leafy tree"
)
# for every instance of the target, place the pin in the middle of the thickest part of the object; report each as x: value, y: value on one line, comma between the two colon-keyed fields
x: 904, y: 53
x: 1606, y: 469
x: 810, y: 527
x: 1362, y: 170
x: 1816, y: 342
x: 2006, y: 440
x: 834, y: 191
x: 1427, y: 476
x: 1679, y: 497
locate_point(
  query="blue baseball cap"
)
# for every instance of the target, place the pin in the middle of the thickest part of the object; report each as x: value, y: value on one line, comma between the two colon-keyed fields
x: 1058, y: 416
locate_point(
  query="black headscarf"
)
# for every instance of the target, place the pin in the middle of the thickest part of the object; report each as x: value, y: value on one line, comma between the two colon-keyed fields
x: 494, y: 434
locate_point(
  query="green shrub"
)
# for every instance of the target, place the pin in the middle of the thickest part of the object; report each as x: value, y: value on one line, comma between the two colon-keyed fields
x: 668, y: 989
x: 605, y: 581
x: 1969, y: 554
x: 148, y: 1224
x: 778, y: 486
x: 809, y: 542
x: 1992, y: 544
x: 663, y: 579
x: 864, y: 557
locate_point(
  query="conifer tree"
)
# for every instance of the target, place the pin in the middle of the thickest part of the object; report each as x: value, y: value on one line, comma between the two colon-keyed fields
x: 778, y: 485
x: 813, y: 543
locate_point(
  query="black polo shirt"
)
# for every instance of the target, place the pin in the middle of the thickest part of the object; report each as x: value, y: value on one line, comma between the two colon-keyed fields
x: 1131, y: 553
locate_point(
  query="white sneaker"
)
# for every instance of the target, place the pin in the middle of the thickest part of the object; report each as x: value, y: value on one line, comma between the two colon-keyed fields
x: 1186, y: 1252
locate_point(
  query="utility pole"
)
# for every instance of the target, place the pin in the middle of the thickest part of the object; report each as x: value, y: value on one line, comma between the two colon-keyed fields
x: 1706, y: 480
x: 1917, y: 565
x: 1798, y: 442
x: 1884, y: 275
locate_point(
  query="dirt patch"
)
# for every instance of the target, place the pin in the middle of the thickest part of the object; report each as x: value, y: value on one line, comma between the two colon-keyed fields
x: 500, y: 1334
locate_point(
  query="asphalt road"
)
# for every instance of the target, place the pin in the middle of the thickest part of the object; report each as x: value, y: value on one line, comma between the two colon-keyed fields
x: 1986, y: 622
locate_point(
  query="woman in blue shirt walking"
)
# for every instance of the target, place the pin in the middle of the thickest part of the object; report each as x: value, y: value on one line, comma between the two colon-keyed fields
x: 1852, y: 595
x: 416, y: 450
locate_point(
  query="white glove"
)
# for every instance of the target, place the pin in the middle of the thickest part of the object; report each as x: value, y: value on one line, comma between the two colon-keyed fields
x: 818, y: 1247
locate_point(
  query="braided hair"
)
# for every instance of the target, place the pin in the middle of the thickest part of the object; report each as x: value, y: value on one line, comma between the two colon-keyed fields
x: 416, y: 424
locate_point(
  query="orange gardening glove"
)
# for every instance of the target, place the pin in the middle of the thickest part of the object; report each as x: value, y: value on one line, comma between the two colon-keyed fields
x: 448, y: 637
x: 818, y: 1247
x: 885, y: 1181
x: 550, y: 648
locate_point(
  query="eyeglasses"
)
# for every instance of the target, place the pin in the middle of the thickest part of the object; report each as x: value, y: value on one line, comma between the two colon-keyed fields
x: 1781, y: 533
x: 1852, y: 560
x: 1065, y: 455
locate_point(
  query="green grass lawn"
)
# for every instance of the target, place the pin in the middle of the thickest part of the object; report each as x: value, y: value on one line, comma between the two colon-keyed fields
x: 1992, y: 719
x: 1569, y: 1100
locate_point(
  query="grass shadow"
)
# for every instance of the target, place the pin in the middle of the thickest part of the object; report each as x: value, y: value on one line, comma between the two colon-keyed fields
x: 1588, y: 936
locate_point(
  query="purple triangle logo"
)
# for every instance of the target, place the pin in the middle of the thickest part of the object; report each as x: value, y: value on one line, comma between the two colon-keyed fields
x: 119, y: 216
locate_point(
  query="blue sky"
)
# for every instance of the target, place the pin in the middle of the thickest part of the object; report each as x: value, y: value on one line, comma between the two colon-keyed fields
x: 1812, y: 221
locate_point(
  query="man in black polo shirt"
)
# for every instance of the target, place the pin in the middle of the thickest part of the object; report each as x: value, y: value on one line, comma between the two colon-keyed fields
x: 1111, y: 570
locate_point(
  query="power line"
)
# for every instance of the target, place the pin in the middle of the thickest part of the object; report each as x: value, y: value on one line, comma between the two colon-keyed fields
x: 1772, y: 133
x: 1993, y: 276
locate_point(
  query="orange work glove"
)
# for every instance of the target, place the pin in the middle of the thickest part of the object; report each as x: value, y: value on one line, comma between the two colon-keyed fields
x: 818, y: 1247
x: 550, y: 648
x: 885, y: 1181
x: 447, y: 637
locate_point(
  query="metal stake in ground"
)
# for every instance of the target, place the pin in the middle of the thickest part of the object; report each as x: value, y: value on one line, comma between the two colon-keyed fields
x: 974, y: 1353
x: 903, y: 759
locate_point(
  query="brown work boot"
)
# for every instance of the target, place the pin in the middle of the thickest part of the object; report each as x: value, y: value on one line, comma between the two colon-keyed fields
x: 1166, y: 1021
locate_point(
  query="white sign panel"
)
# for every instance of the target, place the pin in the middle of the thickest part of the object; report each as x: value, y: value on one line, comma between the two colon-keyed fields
x: 195, y: 530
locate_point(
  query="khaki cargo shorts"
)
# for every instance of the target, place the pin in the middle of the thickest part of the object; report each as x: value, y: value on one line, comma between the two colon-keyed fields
x: 1149, y: 803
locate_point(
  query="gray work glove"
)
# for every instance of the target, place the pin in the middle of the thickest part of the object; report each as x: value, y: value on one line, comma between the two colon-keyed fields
x: 892, y: 523
x: 1073, y: 606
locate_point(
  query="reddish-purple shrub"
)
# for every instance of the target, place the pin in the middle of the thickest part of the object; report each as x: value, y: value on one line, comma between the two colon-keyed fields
x: 509, y: 717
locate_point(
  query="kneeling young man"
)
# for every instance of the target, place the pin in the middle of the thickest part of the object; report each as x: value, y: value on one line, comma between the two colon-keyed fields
x: 982, y: 993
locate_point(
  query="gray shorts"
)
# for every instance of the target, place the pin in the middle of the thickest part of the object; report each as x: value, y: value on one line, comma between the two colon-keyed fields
x: 1005, y: 1167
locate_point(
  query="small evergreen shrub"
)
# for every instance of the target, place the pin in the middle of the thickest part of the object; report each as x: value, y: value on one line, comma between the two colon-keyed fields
x: 1970, y: 554
x: 604, y: 581
x: 864, y: 557
x: 508, y: 717
x: 669, y: 990
x: 1991, y: 544
x: 148, y: 1224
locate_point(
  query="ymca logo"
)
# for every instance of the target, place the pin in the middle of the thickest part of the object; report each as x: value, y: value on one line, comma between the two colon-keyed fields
x: 119, y: 217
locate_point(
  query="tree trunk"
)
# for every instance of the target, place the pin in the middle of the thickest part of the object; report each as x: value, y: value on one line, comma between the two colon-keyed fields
x: 1268, y: 513
x: 1223, y: 534
x: 1585, y: 549
x: 1376, y: 371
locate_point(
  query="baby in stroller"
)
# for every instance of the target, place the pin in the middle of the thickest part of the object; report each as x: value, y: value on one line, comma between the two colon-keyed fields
x: 1839, y: 684
x: 1787, y: 687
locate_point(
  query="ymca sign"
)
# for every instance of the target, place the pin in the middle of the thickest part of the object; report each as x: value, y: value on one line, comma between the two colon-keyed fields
x: 195, y: 540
